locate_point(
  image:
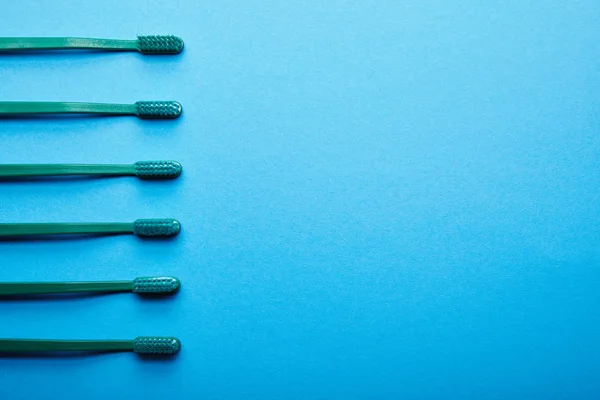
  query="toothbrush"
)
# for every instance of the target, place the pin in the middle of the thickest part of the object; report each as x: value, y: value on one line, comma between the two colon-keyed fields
x: 144, y: 345
x: 154, y: 44
x: 142, y: 228
x: 146, y: 285
x: 141, y: 169
x: 141, y: 109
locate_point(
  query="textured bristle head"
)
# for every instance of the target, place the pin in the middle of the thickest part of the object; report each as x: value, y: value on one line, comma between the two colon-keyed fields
x: 156, y: 285
x: 158, y: 109
x: 150, y: 345
x: 157, y: 169
x: 156, y: 227
x: 160, y: 44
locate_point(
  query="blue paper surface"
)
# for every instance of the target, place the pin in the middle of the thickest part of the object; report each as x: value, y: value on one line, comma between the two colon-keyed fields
x: 380, y: 199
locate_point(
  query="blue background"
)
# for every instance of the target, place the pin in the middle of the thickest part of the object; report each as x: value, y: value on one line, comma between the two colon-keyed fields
x: 380, y: 199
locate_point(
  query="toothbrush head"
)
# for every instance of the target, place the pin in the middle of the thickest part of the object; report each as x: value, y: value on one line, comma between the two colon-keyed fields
x: 157, y: 169
x: 156, y: 227
x: 158, y: 109
x: 156, y: 285
x: 156, y: 346
x: 159, y: 44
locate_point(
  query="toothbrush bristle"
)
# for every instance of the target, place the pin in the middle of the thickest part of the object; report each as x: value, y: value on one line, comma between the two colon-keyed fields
x: 156, y: 227
x: 158, y: 109
x: 157, y: 169
x: 150, y: 345
x: 159, y: 44
x: 156, y: 285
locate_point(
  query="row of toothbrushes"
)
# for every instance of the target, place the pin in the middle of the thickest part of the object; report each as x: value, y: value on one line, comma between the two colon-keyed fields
x: 143, y: 228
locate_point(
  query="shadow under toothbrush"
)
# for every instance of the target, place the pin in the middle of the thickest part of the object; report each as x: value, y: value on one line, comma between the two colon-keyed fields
x: 57, y: 238
x: 81, y: 53
x: 52, y: 297
x: 76, y: 237
x: 74, y: 178
x: 58, y: 116
x: 54, y: 179
x: 83, y: 354
x: 59, y: 53
x: 56, y: 354
x: 59, y: 297
x: 33, y: 118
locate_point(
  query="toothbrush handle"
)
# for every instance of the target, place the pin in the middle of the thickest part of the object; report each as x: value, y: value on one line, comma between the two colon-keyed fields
x: 57, y: 43
x: 31, y: 170
x: 36, y: 107
x: 8, y: 230
x: 31, y: 345
x: 15, y: 289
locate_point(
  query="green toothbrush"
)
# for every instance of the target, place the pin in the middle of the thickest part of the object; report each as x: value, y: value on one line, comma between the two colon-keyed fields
x: 147, y: 285
x: 146, y: 228
x: 141, y: 109
x: 154, y: 44
x: 144, y: 345
x: 141, y: 169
